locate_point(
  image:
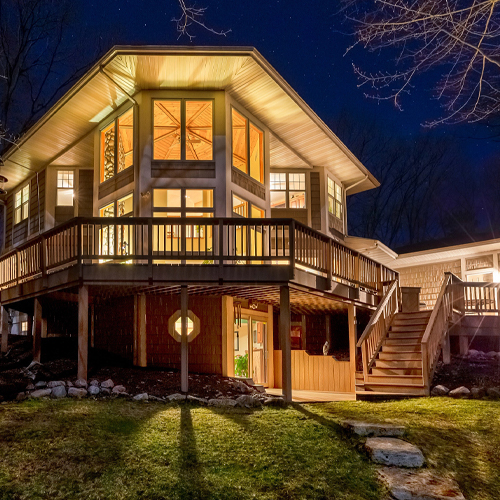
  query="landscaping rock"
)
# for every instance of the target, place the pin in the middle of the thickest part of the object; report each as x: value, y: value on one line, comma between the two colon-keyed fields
x: 222, y: 402
x: 478, y: 392
x: 41, y: 393
x: 94, y: 383
x: 279, y: 402
x: 105, y: 391
x: 75, y: 392
x: 493, y: 392
x: 241, y: 386
x: 58, y: 392
x: 366, y: 429
x: 491, y: 354
x: 69, y: 383
x: 93, y: 390
x: 248, y: 401
x: 176, y: 397
x: 473, y: 353
x: 55, y: 383
x: 141, y: 397
x: 41, y: 384
x: 460, y: 393
x: 394, y: 452
x: 108, y: 384
x: 194, y: 399
x: 117, y: 389
x: 81, y: 383
x: 440, y: 390
x: 30, y: 387
x: 154, y: 398
x: 419, y: 485
x: 21, y: 396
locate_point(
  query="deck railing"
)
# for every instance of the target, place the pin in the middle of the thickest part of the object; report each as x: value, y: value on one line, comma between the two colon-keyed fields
x: 376, y: 330
x: 191, y: 241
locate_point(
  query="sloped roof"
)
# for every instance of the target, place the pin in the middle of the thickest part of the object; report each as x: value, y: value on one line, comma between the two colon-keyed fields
x: 299, y: 137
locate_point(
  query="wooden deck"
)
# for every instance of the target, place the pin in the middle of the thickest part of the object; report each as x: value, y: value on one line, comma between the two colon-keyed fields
x: 316, y: 396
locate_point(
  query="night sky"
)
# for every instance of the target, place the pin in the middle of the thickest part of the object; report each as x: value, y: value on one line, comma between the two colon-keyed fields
x: 305, y: 41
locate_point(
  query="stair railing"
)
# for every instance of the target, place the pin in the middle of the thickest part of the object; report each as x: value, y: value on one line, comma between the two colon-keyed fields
x: 437, y: 329
x: 377, y: 328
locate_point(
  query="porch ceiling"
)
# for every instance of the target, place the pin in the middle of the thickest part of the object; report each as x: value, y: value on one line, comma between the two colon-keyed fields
x: 300, y: 138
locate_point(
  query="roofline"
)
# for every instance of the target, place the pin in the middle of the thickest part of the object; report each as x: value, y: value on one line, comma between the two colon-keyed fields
x: 154, y: 49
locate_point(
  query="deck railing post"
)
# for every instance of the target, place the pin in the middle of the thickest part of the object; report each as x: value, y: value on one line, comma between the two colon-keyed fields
x: 221, y: 246
x: 291, y: 246
x: 79, y: 229
x: 150, y: 250
x: 329, y: 263
x: 18, y: 266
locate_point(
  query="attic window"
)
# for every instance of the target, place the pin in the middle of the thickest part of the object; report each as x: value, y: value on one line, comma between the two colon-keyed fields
x: 117, y: 156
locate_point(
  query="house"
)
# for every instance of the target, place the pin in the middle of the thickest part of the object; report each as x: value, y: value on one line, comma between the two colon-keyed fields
x: 185, y: 208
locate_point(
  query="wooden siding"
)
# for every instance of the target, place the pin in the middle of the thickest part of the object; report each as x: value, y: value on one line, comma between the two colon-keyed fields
x: 315, y: 201
x: 9, y: 220
x: 184, y: 170
x: 335, y: 224
x: 114, y: 332
x: 299, y: 214
x: 205, y: 351
x: 37, y: 206
x: 116, y: 182
x: 315, y: 373
x: 63, y: 214
x: 247, y: 183
x: 85, y: 193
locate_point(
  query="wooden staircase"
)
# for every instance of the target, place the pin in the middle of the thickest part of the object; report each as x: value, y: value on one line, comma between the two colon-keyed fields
x: 397, y: 367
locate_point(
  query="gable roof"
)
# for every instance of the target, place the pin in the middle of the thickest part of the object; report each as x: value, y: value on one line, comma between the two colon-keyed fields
x: 299, y: 138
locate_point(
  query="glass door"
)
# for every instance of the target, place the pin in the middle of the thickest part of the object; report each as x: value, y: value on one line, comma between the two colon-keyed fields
x: 259, y: 351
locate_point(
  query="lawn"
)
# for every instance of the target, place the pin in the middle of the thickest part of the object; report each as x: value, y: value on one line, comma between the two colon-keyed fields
x: 123, y: 450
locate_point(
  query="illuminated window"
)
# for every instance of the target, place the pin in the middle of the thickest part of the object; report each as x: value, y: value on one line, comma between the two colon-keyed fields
x: 183, y: 202
x: 21, y: 204
x: 183, y: 130
x: 247, y: 147
x: 288, y: 190
x: 335, y: 199
x: 117, y: 155
x: 240, y: 206
x: 178, y: 326
x: 65, y: 188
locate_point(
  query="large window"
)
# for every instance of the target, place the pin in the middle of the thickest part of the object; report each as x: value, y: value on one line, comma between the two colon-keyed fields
x: 21, y: 204
x: 65, y: 188
x: 335, y: 201
x: 288, y: 190
x: 117, y: 155
x: 183, y: 129
x: 248, y: 147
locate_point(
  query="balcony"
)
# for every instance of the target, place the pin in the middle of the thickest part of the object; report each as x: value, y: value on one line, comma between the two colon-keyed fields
x: 146, y: 252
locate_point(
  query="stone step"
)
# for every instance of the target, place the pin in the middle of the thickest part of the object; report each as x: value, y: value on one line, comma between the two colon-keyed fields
x: 394, y: 452
x: 366, y: 429
x: 398, y: 363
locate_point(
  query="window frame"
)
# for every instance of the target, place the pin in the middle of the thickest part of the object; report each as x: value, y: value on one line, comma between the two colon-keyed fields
x: 250, y: 205
x: 335, y: 201
x: 183, y: 101
x: 115, y: 206
x: 183, y: 209
x: 247, y: 136
x: 287, y: 190
x: 21, y: 206
x: 114, y: 122
x: 72, y: 171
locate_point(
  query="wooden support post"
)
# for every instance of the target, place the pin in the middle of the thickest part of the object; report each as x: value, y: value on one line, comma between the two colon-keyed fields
x: 92, y: 325
x: 353, y: 339
x: 4, y: 322
x: 29, y: 333
x: 184, y: 339
x: 142, y: 359
x: 37, y: 330
x: 446, y: 349
x: 227, y: 337
x: 463, y: 343
x: 270, y: 347
x: 44, y: 328
x: 285, y: 341
x: 83, y: 331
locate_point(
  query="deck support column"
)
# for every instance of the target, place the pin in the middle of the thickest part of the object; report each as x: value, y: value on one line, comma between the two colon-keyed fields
x: 4, y: 322
x: 184, y: 339
x: 286, y: 352
x: 140, y: 358
x: 446, y: 349
x: 37, y: 330
x: 353, y: 339
x: 83, y: 331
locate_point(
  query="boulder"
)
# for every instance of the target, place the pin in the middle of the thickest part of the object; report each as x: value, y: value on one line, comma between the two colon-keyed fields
x: 41, y: 384
x: 141, y: 397
x: 55, y: 383
x: 108, y: 384
x: 176, y: 397
x: 93, y: 390
x: 493, y: 392
x: 75, y: 392
x: 491, y: 355
x: 248, y: 401
x: 105, y: 391
x: 58, y: 392
x: 478, y: 392
x: 277, y: 401
x: 30, y: 387
x: 81, y: 383
x: 222, y: 402
x: 69, y: 383
x: 419, y: 485
x: 94, y: 383
x: 440, y: 390
x: 365, y: 429
x: 21, y: 396
x: 394, y: 452
x: 460, y: 393
x: 473, y: 353
x: 241, y: 386
x: 41, y: 393
x: 117, y: 389
x: 194, y: 399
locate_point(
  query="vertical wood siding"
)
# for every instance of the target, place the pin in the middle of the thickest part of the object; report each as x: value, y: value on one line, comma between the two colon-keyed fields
x: 85, y: 190
x: 35, y: 204
x: 315, y: 201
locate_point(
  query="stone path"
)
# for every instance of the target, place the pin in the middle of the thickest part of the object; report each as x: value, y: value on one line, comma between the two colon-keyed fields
x: 402, y: 462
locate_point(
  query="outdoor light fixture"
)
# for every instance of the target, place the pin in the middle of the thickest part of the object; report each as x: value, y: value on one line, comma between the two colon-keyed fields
x: 252, y: 304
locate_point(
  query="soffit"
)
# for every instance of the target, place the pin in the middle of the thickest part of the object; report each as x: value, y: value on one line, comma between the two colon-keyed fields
x: 242, y: 72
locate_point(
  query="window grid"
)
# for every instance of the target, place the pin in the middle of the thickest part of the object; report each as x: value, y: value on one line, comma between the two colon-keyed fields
x: 21, y: 204
x: 288, y: 190
x: 335, y: 199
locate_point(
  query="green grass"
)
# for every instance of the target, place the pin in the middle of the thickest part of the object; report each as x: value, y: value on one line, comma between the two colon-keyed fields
x: 124, y: 450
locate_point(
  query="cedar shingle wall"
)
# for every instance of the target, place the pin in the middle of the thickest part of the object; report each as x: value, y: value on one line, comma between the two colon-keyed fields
x: 85, y: 196
x: 35, y: 206
x: 429, y: 277
x: 315, y: 201
x: 205, y: 351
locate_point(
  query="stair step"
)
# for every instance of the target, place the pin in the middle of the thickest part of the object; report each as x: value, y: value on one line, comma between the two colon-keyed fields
x: 403, y: 355
x: 395, y: 379
x: 409, y: 389
x: 398, y: 363
x: 397, y: 372
x: 407, y: 328
x: 410, y: 321
x: 402, y: 341
x: 404, y: 335
x: 397, y: 347
x: 419, y: 314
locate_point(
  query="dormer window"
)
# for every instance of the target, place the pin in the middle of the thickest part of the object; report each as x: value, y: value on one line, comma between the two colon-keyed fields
x: 247, y: 147
x: 117, y: 155
x: 183, y: 129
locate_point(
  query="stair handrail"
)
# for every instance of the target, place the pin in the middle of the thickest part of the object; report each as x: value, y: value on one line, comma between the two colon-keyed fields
x: 436, y: 329
x: 378, y: 326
